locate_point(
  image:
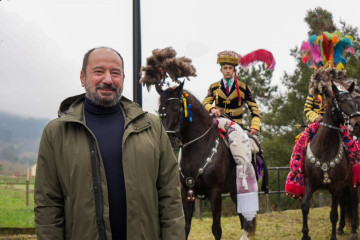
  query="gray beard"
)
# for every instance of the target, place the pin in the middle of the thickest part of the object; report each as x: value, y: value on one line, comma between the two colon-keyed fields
x: 98, y: 100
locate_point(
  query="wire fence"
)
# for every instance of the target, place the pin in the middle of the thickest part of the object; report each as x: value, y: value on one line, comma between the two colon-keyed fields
x: 16, y: 202
x: 275, y: 200
x: 17, y: 199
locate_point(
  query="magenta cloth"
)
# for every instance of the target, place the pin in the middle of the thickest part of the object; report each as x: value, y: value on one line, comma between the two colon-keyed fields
x: 295, y: 182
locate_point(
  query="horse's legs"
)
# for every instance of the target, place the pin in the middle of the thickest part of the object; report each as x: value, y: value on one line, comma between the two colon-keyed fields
x: 354, y: 213
x: 305, y: 206
x: 215, y: 200
x: 334, y: 215
x: 342, y: 202
x: 188, y: 207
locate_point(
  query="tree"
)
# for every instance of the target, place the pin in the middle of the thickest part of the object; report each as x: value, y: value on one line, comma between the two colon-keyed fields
x: 259, y: 81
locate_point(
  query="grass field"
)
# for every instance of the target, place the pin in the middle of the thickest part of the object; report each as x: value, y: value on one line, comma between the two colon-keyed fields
x: 275, y: 225
x: 270, y: 226
x: 13, y: 209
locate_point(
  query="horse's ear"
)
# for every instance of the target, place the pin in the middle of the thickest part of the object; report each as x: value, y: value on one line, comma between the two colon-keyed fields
x: 334, y: 88
x: 351, y: 88
x: 179, y: 88
x: 158, y: 88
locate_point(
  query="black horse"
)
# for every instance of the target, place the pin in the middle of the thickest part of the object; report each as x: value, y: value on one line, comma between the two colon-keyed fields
x: 326, y: 165
x: 207, y: 167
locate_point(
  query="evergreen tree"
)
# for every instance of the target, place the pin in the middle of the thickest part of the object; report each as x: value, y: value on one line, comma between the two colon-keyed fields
x: 258, y: 80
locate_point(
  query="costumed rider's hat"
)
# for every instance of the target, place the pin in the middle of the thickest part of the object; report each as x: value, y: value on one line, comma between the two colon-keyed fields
x: 233, y: 58
x: 228, y: 57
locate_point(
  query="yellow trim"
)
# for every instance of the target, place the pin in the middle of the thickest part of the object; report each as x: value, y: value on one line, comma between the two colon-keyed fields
x: 228, y: 59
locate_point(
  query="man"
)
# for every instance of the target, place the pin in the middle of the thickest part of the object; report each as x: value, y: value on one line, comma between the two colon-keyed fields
x: 230, y: 94
x: 106, y: 169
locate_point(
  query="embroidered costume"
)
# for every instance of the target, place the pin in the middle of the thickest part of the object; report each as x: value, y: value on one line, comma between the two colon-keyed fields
x: 230, y: 104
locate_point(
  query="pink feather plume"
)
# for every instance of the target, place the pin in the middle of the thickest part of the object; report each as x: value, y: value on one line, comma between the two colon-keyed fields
x: 256, y: 56
x: 350, y: 50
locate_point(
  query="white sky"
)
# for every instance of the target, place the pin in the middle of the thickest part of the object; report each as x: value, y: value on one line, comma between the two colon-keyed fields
x: 42, y: 42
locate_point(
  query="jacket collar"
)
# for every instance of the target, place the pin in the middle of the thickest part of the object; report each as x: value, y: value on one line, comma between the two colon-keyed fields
x: 72, y: 109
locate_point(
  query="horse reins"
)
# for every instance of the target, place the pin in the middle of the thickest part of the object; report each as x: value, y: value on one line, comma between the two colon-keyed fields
x: 177, y: 130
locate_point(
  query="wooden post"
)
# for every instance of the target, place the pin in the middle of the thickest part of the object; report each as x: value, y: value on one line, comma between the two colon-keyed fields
x: 27, y: 185
x: 267, y: 207
x: 198, y: 214
x: 321, y: 199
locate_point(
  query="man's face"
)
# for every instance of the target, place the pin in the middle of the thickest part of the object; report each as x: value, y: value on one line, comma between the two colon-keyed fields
x: 227, y: 70
x: 104, y: 77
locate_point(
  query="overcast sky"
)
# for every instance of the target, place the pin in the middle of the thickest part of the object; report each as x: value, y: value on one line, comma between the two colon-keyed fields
x: 42, y: 42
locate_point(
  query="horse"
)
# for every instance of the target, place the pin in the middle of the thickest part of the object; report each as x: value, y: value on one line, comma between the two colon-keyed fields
x: 326, y: 165
x: 206, y: 165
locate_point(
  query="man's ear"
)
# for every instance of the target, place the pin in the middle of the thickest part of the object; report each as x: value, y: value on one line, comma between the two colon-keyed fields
x: 82, y: 78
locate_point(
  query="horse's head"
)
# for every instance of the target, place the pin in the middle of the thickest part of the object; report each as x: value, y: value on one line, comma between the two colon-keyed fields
x: 344, y: 108
x: 171, y: 111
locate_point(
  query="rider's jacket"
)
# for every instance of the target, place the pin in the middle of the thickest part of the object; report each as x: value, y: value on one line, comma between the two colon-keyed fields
x: 314, y: 106
x: 229, y: 104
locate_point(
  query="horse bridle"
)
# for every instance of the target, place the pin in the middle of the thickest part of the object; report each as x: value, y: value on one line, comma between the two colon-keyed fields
x: 344, y: 115
x: 176, y: 132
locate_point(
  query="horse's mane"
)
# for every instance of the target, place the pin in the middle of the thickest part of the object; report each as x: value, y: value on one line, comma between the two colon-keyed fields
x: 198, y: 108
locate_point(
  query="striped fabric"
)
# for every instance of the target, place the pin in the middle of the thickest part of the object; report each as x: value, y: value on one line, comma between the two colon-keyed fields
x: 314, y: 106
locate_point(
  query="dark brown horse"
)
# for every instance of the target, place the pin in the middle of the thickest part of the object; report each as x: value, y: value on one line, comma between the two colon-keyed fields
x: 326, y: 164
x: 206, y: 166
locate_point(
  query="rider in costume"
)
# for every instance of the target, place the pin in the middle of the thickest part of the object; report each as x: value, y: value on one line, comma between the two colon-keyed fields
x: 324, y: 54
x: 230, y: 96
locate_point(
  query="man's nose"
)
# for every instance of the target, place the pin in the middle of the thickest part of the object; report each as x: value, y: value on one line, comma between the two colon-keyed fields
x: 107, y: 78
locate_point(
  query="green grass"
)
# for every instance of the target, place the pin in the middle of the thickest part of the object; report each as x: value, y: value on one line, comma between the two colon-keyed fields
x: 271, y: 226
x: 274, y: 225
x: 13, y: 209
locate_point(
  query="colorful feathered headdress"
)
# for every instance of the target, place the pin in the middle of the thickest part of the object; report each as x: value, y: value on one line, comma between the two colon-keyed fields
x: 326, y: 50
x: 233, y: 58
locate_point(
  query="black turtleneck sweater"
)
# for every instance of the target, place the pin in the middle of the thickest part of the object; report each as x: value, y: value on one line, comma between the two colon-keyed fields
x: 107, y: 124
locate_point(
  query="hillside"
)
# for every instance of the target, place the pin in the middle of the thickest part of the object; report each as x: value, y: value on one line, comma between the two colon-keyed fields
x: 19, y: 142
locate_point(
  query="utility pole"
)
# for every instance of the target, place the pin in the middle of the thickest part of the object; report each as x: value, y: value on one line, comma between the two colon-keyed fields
x: 137, y: 89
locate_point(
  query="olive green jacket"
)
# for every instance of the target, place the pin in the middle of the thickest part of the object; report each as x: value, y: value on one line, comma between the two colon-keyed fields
x: 71, y: 199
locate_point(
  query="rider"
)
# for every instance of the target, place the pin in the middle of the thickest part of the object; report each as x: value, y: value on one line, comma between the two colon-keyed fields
x: 315, y: 106
x: 230, y: 94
